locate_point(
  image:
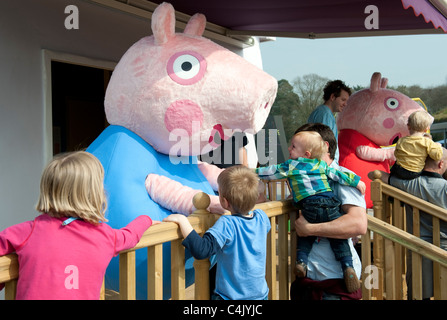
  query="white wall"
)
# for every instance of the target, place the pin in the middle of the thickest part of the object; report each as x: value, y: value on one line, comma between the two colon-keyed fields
x: 27, y: 27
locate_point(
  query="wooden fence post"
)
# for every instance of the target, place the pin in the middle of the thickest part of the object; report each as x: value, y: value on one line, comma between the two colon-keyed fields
x: 127, y: 280
x: 155, y: 272
x: 378, y: 248
x: 201, y: 202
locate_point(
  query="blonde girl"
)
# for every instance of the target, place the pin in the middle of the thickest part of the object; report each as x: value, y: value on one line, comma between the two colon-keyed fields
x: 63, y: 253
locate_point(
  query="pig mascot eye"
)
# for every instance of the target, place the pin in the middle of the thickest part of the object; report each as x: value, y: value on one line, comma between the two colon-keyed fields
x: 187, y: 67
x: 392, y: 103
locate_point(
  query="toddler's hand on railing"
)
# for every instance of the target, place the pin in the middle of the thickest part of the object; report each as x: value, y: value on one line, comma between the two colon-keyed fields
x: 174, y: 218
x: 182, y: 221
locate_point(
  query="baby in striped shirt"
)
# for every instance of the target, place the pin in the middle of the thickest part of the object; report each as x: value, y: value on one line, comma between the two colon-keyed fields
x: 308, y: 178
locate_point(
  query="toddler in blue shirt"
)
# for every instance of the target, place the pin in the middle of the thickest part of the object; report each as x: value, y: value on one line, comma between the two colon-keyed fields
x: 239, y: 240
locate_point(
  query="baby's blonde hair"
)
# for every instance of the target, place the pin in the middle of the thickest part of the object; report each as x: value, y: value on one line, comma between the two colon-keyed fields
x: 72, y: 185
x: 419, y: 121
x: 313, y: 142
x: 239, y: 185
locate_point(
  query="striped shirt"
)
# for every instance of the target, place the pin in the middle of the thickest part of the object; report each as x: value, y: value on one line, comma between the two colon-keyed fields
x: 307, y: 177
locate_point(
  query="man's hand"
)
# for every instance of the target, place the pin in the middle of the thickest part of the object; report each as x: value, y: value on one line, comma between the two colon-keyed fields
x: 301, y: 226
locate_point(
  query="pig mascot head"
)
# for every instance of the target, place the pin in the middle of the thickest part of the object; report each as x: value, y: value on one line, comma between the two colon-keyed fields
x: 372, y: 118
x: 186, y: 86
x: 169, y: 96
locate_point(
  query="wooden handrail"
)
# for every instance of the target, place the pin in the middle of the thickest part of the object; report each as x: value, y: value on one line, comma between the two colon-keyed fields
x: 9, y: 267
x: 413, y: 201
x: 407, y: 240
x: 154, y: 237
x: 201, y: 220
x: 170, y: 231
x: 390, y: 237
x: 278, y: 245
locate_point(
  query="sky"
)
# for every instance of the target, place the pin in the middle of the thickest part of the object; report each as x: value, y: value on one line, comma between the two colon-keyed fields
x: 404, y: 60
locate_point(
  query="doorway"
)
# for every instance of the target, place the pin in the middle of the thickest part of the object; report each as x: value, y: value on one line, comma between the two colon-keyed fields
x: 77, y: 94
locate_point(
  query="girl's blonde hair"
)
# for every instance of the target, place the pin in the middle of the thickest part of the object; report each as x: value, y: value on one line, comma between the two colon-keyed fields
x: 313, y: 142
x: 72, y: 185
x: 239, y: 185
x: 419, y: 121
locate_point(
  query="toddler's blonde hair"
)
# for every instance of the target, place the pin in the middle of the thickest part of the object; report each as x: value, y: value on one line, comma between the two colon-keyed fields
x: 72, y: 185
x: 239, y: 185
x: 419, y: 121
x: 313, y: 142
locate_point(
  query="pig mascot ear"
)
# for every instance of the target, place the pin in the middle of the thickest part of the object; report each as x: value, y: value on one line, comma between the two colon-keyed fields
x: 196, y: 25
x: 375, y: 81
x: 163, y: 23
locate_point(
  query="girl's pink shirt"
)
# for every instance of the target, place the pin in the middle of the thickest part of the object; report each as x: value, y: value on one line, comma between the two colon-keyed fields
x: 66, y: 262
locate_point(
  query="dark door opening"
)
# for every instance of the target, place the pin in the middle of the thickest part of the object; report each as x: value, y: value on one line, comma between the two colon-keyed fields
x: 77, y: 105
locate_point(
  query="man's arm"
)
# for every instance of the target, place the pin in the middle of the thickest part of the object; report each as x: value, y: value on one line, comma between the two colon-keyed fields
x: 353, y: 223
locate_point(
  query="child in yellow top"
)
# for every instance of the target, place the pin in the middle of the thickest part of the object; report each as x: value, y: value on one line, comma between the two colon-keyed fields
x: 411, y: 151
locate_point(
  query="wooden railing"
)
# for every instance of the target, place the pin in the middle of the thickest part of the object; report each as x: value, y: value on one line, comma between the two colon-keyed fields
x: 384, y: 275
x: 278, y: 273
x: 278, y: 189
x: 383, y: 254
x: 9, y: 272
x: 277, y: 269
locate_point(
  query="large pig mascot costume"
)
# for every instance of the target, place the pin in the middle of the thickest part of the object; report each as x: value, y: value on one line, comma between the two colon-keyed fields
x: 372, y: 118
x: 169, y: 96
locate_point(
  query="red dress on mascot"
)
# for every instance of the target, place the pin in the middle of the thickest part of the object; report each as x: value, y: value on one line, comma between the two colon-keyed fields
x: 348, y: 141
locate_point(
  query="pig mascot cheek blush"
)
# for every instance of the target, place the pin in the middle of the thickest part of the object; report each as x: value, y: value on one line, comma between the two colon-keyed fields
x: 169, y: 96
x: 372, y: 118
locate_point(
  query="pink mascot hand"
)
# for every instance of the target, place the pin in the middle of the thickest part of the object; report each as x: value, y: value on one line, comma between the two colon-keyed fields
x: 215, y: 206
x: 211, y: 172
x: 373, y: 154
x: 174, y: 196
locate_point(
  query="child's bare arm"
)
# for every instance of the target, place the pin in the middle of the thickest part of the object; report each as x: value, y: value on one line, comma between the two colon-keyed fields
x: 182, y: 221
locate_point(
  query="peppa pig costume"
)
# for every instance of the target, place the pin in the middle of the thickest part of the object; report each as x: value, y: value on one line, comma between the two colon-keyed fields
x: 372, y: 118
x: 169, y: 96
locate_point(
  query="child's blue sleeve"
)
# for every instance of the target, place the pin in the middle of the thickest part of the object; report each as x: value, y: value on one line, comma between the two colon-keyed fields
x: 201, y: 248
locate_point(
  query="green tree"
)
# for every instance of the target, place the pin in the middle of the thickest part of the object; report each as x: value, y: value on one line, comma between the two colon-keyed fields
x: 287, y: 105
x: 309, y: 89
x: 434, y: 97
